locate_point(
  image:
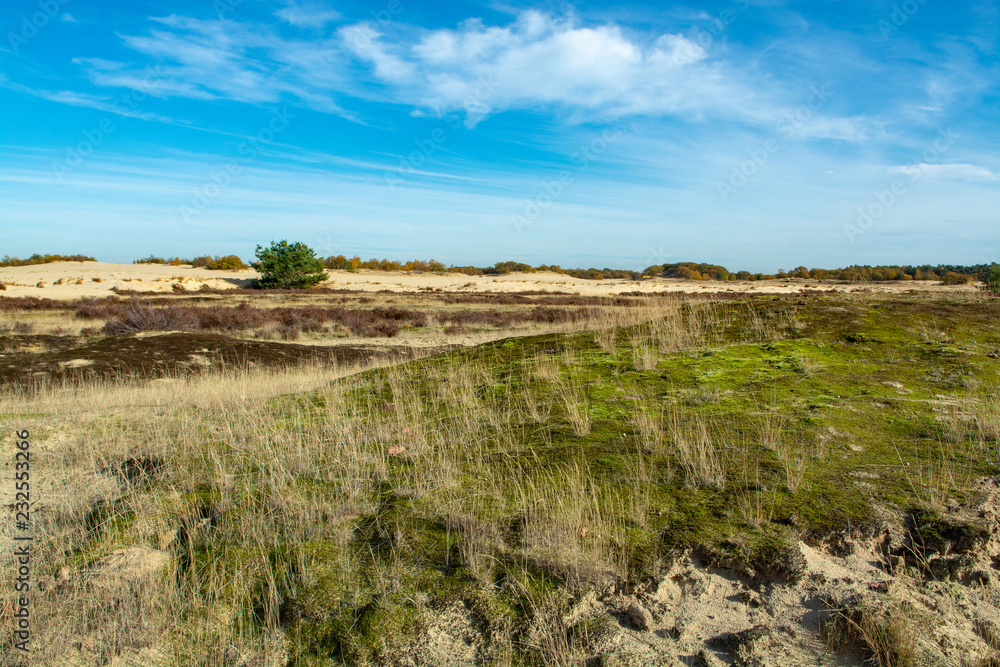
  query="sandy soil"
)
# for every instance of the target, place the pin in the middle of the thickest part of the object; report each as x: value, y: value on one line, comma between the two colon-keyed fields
x: 73, y: 280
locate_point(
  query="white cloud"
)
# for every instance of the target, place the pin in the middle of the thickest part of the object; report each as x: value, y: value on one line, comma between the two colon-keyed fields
x: 68, y: 18
x: 536, y: 62
x: 307, y: 15
x: 541, y: 61
x: 961, y: 171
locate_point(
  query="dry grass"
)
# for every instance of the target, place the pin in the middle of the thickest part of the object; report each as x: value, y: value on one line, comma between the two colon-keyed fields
x: 887, y: 633
x: 644, y: 355
x: 261, y: 484
x: 230, y: 460
x: 607, y: 339
x: 794, y: 457
x: 576, y: 403
x: 647, y: 420
x: 698, y: 455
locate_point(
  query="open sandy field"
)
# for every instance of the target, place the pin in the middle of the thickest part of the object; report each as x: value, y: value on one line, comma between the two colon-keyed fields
x: 74, y: 280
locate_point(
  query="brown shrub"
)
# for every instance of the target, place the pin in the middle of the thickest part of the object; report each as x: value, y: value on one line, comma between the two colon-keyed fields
x: 507, y: 318
x: 91, y: 308
x: 145, y: 315
x: 9, y: 303
x: 137, y: 316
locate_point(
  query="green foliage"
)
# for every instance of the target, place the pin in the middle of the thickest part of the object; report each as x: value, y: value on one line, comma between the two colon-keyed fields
x: 287, y: 266
x: 990, y: 276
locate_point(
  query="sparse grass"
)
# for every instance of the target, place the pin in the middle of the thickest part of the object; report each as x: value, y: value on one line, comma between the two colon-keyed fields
x: 334, y: 509
x: 696, y: 451
x: 576, y: 403
x: 887, y: 633
x: 607, y: 339
x: 644, y: 355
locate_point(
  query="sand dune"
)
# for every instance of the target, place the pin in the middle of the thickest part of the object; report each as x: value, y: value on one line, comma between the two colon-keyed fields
x: 73, y: 280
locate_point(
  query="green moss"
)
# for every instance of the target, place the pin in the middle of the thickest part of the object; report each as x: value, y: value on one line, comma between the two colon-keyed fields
x: 854, y: 388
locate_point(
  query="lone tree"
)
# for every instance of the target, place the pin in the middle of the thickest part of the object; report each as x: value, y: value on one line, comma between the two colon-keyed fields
x: 285, y: 265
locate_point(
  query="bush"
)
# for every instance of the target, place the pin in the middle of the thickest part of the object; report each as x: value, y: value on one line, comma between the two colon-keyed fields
x: 227, y: 263
x: 952, y: 278
x: 198, y: 262
x: 285, y: 266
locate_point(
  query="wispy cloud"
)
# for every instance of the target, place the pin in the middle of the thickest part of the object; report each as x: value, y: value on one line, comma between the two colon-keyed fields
x: 307, y: 15
x: 85, y: 100
x: 960, y: 171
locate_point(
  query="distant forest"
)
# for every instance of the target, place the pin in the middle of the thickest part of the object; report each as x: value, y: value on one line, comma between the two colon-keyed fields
x: 948, y: 273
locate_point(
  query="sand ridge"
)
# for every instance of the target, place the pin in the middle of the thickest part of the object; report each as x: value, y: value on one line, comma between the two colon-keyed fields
x: 75, y: 280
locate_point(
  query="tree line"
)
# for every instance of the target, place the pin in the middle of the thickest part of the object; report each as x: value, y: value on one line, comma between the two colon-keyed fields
x: 952, y: 274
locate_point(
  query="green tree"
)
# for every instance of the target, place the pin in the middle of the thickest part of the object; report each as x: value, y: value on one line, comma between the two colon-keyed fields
x: 285, y: 266
x: 991, y: 278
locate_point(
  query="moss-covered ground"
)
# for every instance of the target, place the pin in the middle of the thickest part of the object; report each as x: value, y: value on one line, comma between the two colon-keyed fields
x: 505, y: 476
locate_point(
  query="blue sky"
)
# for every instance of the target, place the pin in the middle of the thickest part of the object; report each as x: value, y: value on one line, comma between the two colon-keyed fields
x: 758, y: 135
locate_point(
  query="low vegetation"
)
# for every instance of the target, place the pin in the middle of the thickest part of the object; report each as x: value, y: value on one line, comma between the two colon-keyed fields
x: 329, y: 524
x: 43, y: 259
x: 135, y: 315
x: 217, y: 263
x: 948, y: 274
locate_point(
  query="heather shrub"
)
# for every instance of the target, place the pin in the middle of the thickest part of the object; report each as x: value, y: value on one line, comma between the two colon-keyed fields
x: 137, y: 316
x: 8, y: 303
x: 144, y: 315
x: 91, y: 308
